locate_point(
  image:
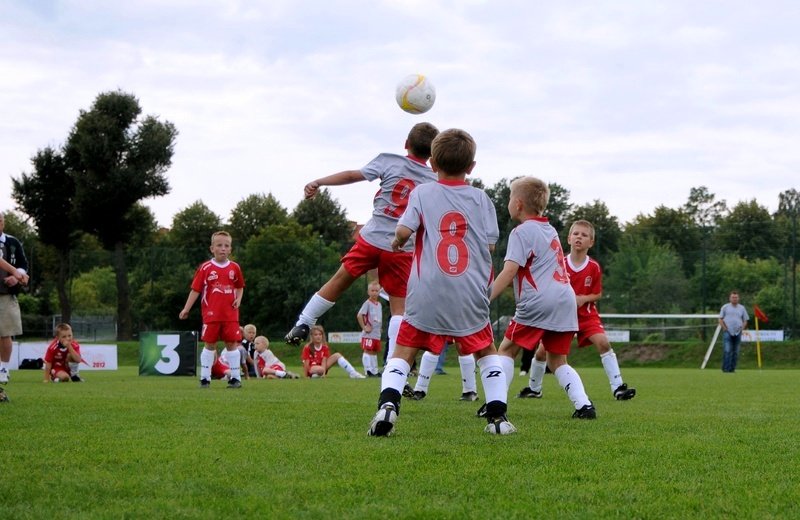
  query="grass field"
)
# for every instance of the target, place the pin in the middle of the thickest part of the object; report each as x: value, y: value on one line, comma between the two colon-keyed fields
x: 696, y: 444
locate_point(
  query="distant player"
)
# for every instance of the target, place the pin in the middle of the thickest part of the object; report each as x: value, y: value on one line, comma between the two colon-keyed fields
x: 586, y: 278
x: 220, y: 282
x: 317, y: 357
x: 456, y: 228
x: 267, y: 363
x: 370, y: 319
x: 62, y: 351
x: 546, y: 309
x: 398, y: 175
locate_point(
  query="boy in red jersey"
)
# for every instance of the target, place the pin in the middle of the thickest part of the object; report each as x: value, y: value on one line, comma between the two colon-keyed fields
x: 221, y: 284
x: 317, y: 357
x: 586, y: 278
x: 399, y: 176
x: 546, y: 309
x: 59, y: 354
x: 456, y: 228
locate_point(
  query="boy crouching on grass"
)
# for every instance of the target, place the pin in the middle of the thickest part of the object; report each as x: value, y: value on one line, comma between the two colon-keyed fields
x: 60, y: 353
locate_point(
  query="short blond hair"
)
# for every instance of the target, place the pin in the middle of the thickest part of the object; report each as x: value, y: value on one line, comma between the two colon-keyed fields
x: 453, y: 151
x: 249, y: 327
x: 63, y: 327
x: 259, y: 339
x: 534, y: 194
x: 585, y: 223
x: 220, y: 234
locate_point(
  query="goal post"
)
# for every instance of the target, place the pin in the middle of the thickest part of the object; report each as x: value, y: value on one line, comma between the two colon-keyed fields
x: 608, y: 319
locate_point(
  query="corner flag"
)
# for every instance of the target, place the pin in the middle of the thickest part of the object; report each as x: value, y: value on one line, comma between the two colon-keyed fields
x: 760, y: 316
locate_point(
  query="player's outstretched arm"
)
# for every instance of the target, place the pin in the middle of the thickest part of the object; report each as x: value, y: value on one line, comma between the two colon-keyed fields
x: 189, y: 302
x: 337, y: 179
x: 504, y: 279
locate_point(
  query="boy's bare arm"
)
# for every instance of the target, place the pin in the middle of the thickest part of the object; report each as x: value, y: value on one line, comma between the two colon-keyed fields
x: 237, y: 301
x: 583, y: 299
x: 189, y: 302
x: 337, y: 179
x: 503, y: 279
x: 401, y: 236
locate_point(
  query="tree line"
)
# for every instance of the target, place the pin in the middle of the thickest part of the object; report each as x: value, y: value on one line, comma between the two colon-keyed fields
x: 97, y: 248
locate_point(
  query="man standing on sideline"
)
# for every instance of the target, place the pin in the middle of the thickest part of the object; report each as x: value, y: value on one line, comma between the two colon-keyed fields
x: 10, y: 316
x: 733, y: 320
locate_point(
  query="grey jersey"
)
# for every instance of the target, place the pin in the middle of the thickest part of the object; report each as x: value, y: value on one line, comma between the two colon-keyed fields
x: 452, y: 266
x: 734, y: 317
x: 544, y: 297
x: 373, y: 314
x: 399, y: 176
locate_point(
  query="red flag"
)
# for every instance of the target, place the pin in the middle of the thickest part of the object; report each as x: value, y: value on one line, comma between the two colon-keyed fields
x: 760, y: 316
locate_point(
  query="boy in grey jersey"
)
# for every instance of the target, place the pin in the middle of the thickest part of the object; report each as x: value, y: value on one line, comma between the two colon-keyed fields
x: 456, y: 228
x: 398, y: 175
x: 546, y: 306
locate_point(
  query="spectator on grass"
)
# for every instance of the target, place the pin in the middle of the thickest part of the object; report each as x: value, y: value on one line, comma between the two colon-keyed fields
x: 60, y: 353
x: 733, y: 320
x: 246, y: 358
x: 317, y: 357
x: 268, y: 364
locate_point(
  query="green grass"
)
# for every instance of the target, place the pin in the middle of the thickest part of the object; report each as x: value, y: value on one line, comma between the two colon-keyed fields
x: 693, y: 443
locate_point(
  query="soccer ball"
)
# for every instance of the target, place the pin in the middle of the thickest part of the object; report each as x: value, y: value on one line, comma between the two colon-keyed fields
x: 415, y: 94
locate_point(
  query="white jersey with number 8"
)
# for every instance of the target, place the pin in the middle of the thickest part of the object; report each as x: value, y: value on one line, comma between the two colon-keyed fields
x: 452, y: 267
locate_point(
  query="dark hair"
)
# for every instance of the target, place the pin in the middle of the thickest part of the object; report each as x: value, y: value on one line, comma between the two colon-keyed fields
x: 420, y: 138
x: 453, y: 151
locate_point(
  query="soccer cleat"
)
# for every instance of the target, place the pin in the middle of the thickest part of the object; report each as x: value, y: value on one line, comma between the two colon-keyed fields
x: 587, y: 411
x: 523, y: 373
x: 408, y: 391
x: 419, y: 395
x: 373, y: 374
x: 3, y: 396
x: 527, y: 392
x: 76, y: 379
x: 205, y: 383
x: 623, y: 393
x: 383, y: 422
x: 440, y: 372
x: 291, y: 375
x: 481, y: 411
x: 500, y: 426
x: 3, y: 376
x: 297, y: 334
x: 469, y: 396
x: 234, y: 383
x: 356, y: 375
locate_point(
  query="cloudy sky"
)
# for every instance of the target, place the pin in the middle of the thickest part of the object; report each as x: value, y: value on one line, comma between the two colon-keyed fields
x: 629, y: 102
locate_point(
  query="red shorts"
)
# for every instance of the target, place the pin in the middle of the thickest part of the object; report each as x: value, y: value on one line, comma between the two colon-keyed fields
x: 218, y: 369
x: 393, y: 268
x: 410, y: 336
x: 588, y: 328
x: 227, y: 331
x: 55, y: 369
x: 371, y: 345
x: 529, y: 337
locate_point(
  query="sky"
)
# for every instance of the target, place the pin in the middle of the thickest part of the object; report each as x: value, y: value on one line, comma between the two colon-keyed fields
x: 632, y: 103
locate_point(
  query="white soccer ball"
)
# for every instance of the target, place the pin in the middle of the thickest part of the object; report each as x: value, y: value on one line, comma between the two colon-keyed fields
x: 415, y: 94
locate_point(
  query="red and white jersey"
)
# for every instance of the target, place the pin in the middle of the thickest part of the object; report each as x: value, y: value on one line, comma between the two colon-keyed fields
x: 56, y: 355
x: 452, y: 266
x: 372, y: 312
x: 217, y: 284
x: 585, y: 279
x: 267, y: 359
x: 315, y: 355
x: 544, y: 296
x: 399, y: 175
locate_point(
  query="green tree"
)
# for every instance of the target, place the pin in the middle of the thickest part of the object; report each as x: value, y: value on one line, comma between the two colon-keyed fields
x: 675, y: 228
x: 749, y: 231
x: 558, y: 208
x: 326, y: 218
x: 191, y: 230
x: 116, y: 160
x: 786, y: 217
x: 703, y: 208
x: 254, y: 213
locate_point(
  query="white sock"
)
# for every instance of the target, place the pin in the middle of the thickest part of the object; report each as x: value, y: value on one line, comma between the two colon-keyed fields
x: 3, y: 366
x: 74, y: 368
x: 571, y: 382
x: 280, y: 373
x: 538, y: 369
x: 493, y: 378
x: 373, y: 360
x: 609, y: 360
x: 346, y: 366
x: 395, y: 374
x: 467, y: 364
x: 393, y: 329
x: 206, y: 360
x: 234, y: 359
x: 508, y: 369
x: 426, y: 367
x: 316, y: 307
